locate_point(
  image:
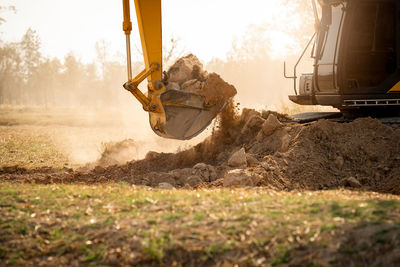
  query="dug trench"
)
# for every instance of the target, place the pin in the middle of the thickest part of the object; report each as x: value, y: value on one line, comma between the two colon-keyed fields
x: 256, y: 149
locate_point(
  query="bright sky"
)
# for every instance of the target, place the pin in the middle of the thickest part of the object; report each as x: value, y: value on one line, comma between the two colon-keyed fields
x: 206, y: 28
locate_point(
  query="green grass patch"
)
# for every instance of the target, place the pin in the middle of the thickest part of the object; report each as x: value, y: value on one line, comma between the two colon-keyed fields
x: 104, y: 224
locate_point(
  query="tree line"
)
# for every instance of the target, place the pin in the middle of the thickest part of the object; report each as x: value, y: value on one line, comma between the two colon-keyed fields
x: 29, y: 78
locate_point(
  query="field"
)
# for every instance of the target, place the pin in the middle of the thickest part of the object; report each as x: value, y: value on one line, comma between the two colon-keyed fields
x: 109, y: 216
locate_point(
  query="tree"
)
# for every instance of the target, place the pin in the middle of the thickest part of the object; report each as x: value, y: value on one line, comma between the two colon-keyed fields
x: 11, y: 78
x: 46, y: 79
x: 255, y: 63
x: 172, y: 51
x: 102, y: 54
x: 71, y: 80
x: 30, y: 46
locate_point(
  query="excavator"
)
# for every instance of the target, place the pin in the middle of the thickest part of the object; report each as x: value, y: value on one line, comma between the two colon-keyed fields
x: 356, y: 66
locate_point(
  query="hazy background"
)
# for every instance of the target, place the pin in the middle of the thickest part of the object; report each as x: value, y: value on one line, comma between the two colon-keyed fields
x: 70, y: 54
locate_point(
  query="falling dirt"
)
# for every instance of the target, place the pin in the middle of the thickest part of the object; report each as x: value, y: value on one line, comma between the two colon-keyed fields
x: 319, y: 155
x: 116, y: 153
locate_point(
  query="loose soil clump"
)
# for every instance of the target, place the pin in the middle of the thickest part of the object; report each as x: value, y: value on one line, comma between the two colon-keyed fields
x: 279, y: 154
x: 187, y: 75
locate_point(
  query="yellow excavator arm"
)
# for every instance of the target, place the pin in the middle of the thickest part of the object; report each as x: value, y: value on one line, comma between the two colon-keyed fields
x: 148, y: 14
x: 173, y: 114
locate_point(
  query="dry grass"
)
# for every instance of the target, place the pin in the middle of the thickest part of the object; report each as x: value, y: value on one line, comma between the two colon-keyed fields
x: 118, y: 224
x: 29, y: 147
x: 73, y: 136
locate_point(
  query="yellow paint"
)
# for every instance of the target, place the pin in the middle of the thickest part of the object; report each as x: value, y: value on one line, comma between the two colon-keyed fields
x: 148, y: 13
x: 395, y: 88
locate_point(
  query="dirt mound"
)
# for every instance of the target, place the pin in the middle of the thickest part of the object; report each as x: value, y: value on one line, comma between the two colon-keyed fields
x: 274, y: 152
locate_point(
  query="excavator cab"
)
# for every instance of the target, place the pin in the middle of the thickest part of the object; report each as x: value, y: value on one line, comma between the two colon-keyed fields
x: 356, y: 57
x: 173, y: 114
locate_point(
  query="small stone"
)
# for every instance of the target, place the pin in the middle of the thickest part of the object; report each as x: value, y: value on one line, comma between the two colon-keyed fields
x: 260, y: 136
x: 167, y: 186
x: 194, y: 180
x: 285, y: 141
x: 339, y: 162
x: 266, y: 166
x: 173, y: 86
x: 241, y: 177
x: 253, y: 124
x: 206, y: 172
x: 187, y: 187
x: 181, y: 70
x: 192, y: 86
x: 252, y: 161
x: 238, y: 159
x: 351, y: 181
x: 271, y: 124
x: 151, y: 155
x: 99, y: 169
x: 386, y: 169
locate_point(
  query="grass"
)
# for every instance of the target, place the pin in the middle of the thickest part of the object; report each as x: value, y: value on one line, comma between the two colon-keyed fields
x: 101, y: 223
x: 22, y: 147
x: 34, y: 137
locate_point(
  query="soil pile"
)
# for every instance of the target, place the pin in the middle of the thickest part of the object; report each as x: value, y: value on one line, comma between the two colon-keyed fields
x: 264, y: 149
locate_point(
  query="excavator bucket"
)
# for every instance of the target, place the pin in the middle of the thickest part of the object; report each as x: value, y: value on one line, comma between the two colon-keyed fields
x: 186, y: 115
x: 172, y: 113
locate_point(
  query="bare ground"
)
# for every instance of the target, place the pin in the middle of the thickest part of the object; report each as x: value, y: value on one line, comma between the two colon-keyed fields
x: 325, y: 154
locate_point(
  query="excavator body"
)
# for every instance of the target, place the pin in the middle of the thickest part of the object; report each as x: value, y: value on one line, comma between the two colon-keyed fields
x: 356, y: 58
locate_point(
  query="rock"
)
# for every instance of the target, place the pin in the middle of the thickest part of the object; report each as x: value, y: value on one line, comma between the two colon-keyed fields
x: 181, y: 71
x: 279, y: 141
x: 156, y: 178
x: 240, y: 177
x: 99, y: 169
x: 206, y: 172
x: 173, y: 86
x: 339, y: 162
x: 194, y: 180
x: 251, y: 160
x: 192, y: 86
x: 180, y: 175
x: 266, y: 166
x: 187, y: 187
x: 165, y: 186
x: 260, y: 136
x: 270, y: 125
x: 238, y: 159
x: 151, y: 155
x: 253, y: 124
x: 285, y: 141
x: 351, y: 181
